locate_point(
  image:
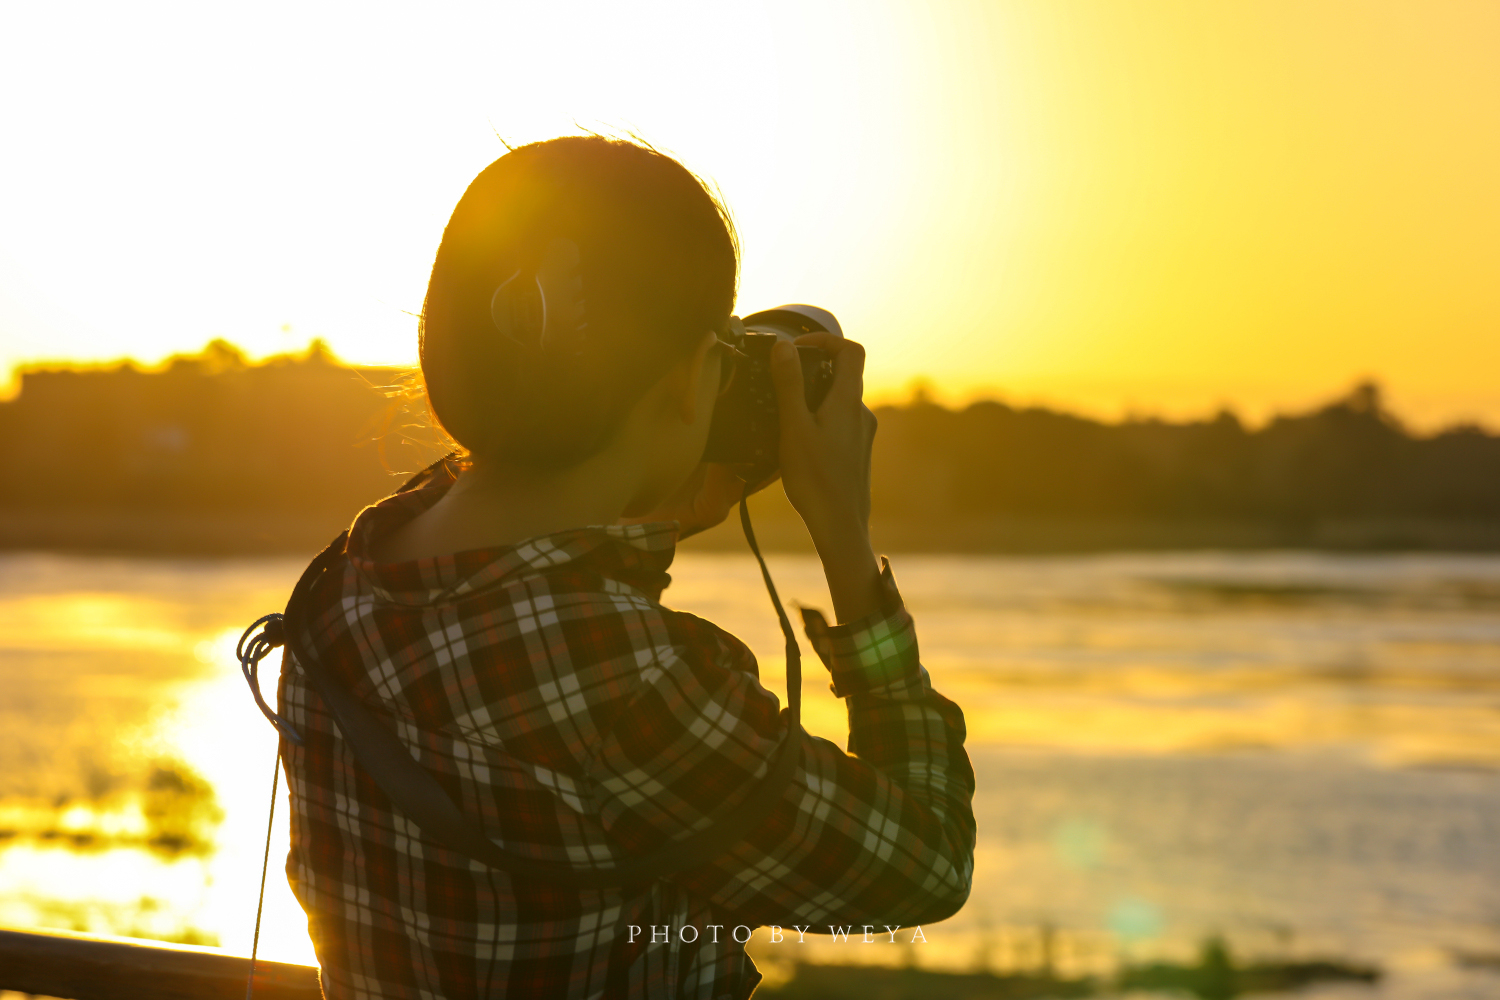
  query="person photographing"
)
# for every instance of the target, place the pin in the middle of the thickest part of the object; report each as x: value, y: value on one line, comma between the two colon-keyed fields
x: 502, y: 617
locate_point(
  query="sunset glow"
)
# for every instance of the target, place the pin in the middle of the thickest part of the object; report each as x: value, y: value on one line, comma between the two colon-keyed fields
x: 1157, y: 207
x: 1183, y: 326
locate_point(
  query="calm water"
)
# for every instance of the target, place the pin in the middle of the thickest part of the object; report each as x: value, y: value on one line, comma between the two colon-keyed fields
x: 1299, y: 752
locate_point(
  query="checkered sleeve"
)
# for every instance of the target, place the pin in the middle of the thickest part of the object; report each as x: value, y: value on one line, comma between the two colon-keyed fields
x: 883, y: 834
x: 897, y: 722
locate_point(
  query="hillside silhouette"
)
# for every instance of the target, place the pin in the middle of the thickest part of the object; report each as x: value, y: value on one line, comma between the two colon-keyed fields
x: 211, y: 453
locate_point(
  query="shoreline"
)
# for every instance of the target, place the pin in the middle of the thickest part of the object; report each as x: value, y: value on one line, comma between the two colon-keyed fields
x: 247, y: 533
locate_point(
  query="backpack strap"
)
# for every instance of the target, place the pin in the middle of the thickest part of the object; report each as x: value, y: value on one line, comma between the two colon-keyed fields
x: 418, y: 795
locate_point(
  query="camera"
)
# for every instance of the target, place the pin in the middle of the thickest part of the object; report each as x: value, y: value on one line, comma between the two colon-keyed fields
x: 746, y: 428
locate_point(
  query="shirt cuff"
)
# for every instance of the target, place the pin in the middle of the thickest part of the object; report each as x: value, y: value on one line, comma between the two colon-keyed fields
x: 874, y: 652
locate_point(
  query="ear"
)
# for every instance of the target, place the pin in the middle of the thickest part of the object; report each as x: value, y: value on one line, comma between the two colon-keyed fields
x: 685, y: 382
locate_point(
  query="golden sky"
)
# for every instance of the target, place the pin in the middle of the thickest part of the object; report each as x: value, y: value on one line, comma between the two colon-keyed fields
x: 1150, y: 206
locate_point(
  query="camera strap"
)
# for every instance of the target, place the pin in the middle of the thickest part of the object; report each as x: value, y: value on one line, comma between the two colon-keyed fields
x: 418, y: 795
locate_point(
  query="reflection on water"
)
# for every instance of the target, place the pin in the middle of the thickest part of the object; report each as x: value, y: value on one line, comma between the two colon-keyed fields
x: 1300, y: 752
x: 173, y: 811
x: 133, y: 786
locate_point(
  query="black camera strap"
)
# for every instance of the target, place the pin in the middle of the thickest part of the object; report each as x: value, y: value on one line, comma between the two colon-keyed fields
x: 414, y: 791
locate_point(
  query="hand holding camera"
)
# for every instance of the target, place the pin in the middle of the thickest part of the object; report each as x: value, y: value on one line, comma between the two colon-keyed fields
x: 825, y: 452
x: 792, y: 406
x: 825, y: 467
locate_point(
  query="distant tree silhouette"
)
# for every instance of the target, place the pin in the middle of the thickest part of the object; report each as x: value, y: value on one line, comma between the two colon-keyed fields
x: 212, y: 431
x: 206, y: 431
x: 1351, y: 458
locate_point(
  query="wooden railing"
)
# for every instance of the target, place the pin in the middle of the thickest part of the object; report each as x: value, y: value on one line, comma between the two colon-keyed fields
x: 79, y: 967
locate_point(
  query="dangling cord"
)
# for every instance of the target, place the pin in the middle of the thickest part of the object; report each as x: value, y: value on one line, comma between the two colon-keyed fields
x: 265, y: 865
x: 250, y: 650
x: 793, y: 651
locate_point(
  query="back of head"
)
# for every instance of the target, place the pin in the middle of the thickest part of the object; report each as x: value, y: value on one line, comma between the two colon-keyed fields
x: 658, y: 263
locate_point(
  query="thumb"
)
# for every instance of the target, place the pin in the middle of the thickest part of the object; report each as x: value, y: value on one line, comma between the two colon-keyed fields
x: 786, y: 373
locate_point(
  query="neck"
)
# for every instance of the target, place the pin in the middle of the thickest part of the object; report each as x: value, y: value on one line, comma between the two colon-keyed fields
x: 494, y: 504
x: 506, y: 502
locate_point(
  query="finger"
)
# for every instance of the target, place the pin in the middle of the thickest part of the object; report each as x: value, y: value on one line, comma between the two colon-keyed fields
x: 786, y: 374
x: 721, y: 485
x: 830, y: 342
x: 848, y: 358
x: 681, y: 498
x: 849, y: 372
x: 753, y: 488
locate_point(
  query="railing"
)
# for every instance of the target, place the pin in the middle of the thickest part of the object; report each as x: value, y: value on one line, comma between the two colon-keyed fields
x: 79, y: 967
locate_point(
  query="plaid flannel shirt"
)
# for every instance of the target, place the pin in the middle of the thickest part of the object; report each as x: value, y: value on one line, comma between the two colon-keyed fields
x: 578, y: 720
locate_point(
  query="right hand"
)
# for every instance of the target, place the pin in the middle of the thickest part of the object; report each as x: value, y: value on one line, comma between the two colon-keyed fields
x: 825, y: 456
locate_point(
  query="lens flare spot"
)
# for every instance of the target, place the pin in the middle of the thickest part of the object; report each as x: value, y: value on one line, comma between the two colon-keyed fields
x: 1135, y: 919
x: 1080, y: 843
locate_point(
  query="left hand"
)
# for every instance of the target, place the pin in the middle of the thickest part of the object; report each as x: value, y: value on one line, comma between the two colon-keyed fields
x: 703, y: 501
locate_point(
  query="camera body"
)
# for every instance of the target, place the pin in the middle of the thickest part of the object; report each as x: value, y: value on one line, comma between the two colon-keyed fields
x: 746, y: 426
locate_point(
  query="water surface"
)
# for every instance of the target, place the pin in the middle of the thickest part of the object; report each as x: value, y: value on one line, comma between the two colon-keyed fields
x: 1300, y: 752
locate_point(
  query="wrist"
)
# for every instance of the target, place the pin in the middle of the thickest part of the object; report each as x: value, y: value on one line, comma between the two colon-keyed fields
x: 852, y: 572
x: 840, y: 525
x: 843, y: 543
